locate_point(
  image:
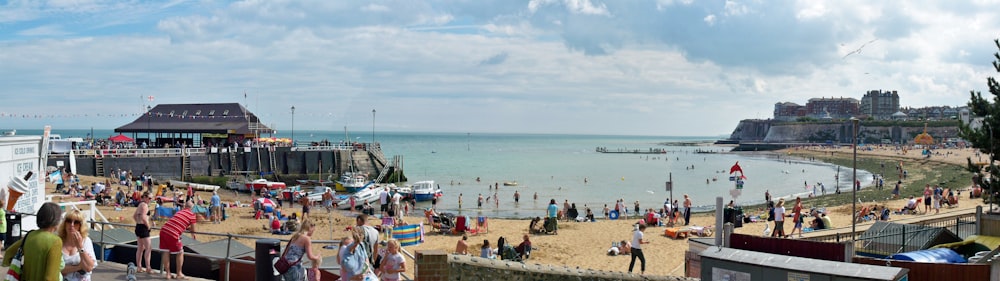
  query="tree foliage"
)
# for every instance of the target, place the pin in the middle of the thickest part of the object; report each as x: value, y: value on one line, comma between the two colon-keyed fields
x: 983, y: 130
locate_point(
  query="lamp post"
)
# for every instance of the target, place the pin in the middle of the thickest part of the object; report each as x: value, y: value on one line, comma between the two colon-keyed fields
x: 149, y: 115
x: 373, y: 126
x: 854, y: 189
x: 293, y: 125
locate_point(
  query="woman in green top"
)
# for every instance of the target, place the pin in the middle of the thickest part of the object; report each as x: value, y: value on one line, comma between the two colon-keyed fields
x: 42, y: 249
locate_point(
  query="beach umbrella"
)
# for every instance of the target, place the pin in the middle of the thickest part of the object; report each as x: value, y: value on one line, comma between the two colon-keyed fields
x: 121, y: 138
x: 266, y: 202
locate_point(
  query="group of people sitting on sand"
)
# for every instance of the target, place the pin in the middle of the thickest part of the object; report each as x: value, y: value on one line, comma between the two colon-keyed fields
x: 503, y: 250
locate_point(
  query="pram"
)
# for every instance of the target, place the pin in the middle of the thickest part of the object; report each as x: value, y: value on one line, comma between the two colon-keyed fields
x: 551, y: 226
x: 444, y: 222
x: 506, y: 251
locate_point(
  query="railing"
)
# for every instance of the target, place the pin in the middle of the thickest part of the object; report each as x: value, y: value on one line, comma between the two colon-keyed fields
x: 962, y: 224
x: 323, y: 148
x: 140, y: 152
x: 229, y: 239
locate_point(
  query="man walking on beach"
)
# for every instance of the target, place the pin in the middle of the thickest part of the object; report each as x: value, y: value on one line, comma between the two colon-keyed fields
x: 687, y: 209
x: 216, y: 204
x: 637, y: 241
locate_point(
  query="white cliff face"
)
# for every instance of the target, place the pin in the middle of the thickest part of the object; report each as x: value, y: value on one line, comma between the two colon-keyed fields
x: 839, y: 132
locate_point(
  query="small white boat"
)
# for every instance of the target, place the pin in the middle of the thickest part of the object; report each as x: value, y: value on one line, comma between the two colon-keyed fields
x: 352, y: 182
x: 195, y: 186
x: 510, y: 183
x: 369, y: 194
x: 257, y: 184
x: 421, y: 191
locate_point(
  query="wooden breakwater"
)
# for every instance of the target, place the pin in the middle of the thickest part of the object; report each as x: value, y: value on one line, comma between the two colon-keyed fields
x: 282, y: 163
x: 631, y: 150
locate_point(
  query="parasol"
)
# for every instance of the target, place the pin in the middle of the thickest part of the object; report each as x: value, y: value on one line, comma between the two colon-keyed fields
x: 121, y: 138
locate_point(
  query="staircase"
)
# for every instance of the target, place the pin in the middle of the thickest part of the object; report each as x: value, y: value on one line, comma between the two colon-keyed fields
x: 185, y: 167
x: 99, y: 165
x: 233, y: 167
x: 274, y: 164
x: 385, y: 171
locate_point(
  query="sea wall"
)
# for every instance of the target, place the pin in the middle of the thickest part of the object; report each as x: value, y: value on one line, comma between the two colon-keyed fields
x: 436, y: 265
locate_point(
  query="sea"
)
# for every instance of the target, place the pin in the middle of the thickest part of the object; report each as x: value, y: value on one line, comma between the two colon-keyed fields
x: 568, y: 167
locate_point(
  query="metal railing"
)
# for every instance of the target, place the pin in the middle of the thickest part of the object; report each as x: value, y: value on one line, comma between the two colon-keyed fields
x: 229, y: 239
x: 962, y: 224
x: 140, y: 152
x: 323, y: 148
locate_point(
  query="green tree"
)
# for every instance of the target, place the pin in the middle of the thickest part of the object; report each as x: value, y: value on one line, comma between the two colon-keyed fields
x: 983, y: 131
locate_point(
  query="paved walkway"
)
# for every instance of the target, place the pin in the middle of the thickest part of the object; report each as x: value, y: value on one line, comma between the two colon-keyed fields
x: 114, y: 271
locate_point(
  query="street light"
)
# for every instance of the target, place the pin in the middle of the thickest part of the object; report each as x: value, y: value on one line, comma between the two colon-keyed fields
x: 293, y: 125
x: 373, y: 126
x: 854, y: 190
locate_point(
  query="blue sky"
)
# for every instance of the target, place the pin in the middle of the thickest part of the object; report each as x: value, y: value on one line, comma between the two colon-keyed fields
x: 664, y: 67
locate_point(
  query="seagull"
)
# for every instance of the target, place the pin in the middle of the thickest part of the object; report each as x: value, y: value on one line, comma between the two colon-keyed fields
x: 858, y: 51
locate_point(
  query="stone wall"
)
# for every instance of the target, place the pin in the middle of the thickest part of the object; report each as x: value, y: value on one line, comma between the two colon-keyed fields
x: 436, y: 265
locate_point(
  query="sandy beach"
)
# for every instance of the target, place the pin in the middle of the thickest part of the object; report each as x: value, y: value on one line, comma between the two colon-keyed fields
x: 578, y: 244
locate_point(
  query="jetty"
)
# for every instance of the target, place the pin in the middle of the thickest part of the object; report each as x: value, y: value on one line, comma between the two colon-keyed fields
x: 631, y: 151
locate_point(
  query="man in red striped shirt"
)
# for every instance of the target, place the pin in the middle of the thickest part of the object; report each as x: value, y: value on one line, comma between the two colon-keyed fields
x: 170, y: 238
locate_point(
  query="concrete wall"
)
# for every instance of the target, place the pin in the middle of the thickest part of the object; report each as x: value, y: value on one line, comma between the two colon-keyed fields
x: 436, y: 265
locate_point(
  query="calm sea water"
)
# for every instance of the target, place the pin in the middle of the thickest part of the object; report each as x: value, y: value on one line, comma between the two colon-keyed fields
x: 556, y: 166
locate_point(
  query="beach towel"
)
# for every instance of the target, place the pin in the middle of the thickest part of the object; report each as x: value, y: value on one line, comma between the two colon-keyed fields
x: 165, y: 212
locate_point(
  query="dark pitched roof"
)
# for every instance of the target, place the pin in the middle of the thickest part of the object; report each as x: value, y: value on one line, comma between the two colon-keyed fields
x: 214, y: 118
x: 218, y: 248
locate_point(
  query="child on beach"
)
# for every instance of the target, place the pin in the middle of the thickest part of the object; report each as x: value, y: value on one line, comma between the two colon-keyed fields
x: 312, y: 274
x: 393, y: 263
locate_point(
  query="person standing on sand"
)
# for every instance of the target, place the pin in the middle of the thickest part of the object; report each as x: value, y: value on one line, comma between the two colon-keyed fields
x: 797, y: 217
x: 779, y: 219
x: 687, y: 209
x: 553, y: 215
x: 927, y: 197
x: 637, y: 241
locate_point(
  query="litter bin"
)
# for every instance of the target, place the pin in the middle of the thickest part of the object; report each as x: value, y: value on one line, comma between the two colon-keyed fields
x: 734, y: 216
x: 13, y: 228
x: 266, y: 253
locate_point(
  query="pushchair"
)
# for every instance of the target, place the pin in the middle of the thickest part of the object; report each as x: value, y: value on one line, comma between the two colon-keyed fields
x: 445, y: 222
x: 551, y: 226
x: 506, y: 251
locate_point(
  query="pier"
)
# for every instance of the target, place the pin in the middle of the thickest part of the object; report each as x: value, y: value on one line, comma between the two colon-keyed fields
x: 282, y: 163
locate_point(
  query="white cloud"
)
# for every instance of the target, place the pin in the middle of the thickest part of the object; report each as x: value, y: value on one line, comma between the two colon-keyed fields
x: 578, y: 66
x: 45, y: 30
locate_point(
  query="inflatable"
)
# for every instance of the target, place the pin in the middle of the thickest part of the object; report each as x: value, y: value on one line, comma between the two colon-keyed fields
x: 941, y: 255
x: 613, y: 214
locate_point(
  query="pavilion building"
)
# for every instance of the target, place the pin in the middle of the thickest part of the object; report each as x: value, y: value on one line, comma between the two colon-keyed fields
x: 195, y: 125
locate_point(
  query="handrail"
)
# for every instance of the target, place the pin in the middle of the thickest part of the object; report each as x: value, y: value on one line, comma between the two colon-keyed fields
x: 228, y: 236
x: 323, y: 147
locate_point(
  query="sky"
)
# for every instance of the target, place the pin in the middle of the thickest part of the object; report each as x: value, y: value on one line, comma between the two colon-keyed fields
x: 643, y: 67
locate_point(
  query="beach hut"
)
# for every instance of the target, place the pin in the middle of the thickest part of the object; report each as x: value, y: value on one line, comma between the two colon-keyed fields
x: 883, y: 239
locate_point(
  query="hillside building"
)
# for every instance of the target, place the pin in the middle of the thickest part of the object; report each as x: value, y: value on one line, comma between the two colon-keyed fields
x: 880, y: 104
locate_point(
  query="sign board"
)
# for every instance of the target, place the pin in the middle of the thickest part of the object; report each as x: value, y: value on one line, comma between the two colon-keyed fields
x: 18, y: 156
x: 670, y: 186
